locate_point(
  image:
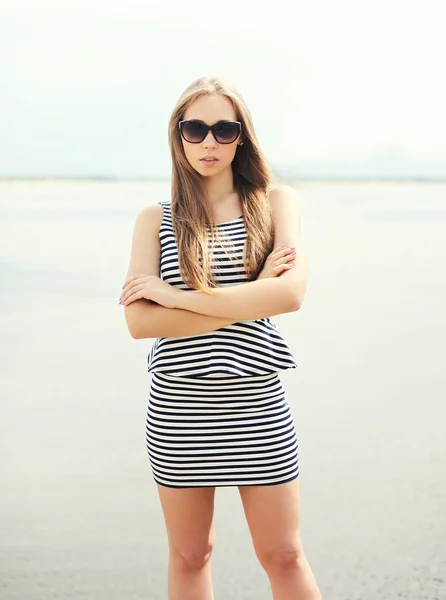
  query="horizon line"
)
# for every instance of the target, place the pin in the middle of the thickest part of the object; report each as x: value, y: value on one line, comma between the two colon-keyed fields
x: 167, y: 179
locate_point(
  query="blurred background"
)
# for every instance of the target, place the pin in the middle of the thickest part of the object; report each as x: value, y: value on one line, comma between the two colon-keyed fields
x: 336, y: 90
x: 348, y: 103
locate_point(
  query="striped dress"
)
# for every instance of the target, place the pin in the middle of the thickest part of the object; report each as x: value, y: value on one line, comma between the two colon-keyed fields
x: 217, y: 413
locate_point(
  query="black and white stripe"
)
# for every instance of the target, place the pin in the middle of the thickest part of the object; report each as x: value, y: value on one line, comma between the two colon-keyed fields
x: 250, y: 347
x: 220, y: 431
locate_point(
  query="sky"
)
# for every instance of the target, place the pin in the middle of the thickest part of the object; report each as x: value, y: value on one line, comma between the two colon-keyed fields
x: 341, y: 88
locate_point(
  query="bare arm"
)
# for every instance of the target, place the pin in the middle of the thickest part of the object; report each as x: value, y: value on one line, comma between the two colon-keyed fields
x: 148, y: 320
x: 152, y: 320
x: 267, y: 297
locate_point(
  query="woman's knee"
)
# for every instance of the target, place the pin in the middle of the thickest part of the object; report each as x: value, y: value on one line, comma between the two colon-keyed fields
x: 284, y: 557
x: 192, y: 558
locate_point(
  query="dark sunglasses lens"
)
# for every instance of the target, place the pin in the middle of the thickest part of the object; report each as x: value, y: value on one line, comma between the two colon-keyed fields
x: 193, y: 131
x: 225, y: 133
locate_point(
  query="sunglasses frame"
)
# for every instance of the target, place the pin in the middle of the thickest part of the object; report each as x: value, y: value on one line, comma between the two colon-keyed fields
x: 207, y: 128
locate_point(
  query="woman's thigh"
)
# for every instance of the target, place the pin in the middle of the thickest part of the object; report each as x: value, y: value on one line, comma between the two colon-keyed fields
x: 273, y: 513
x: 189, y: 518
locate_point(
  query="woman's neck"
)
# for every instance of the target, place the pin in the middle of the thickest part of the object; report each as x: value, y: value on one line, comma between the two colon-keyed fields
x: 219, y: 188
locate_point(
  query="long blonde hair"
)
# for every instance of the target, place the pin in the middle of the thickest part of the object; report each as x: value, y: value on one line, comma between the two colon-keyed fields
x: 191, y: 213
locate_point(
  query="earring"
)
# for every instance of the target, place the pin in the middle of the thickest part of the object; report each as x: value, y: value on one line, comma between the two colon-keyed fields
x: 241, y: 144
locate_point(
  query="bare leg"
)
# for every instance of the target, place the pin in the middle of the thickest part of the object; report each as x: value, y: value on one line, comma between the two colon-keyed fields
x: 188, y: 513
x: 272, y: 513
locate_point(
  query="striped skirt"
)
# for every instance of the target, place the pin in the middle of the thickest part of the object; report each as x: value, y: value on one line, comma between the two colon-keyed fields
x: 220, y: 431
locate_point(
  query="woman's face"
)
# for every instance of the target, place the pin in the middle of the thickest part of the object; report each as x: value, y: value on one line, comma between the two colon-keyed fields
x: 210, y: 110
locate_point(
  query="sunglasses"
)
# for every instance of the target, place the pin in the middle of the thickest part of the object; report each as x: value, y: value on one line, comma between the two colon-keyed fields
x: 224, y: 132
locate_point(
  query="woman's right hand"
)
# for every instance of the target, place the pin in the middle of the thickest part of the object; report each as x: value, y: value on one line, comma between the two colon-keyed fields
x: 280, y: 260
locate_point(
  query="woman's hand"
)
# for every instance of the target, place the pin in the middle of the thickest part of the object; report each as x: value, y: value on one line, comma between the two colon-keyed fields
x: 150, y: 287
x: 281, y: 259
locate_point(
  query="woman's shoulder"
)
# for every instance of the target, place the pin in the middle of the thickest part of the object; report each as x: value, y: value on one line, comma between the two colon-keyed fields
x: 282, y: 193
x: 150, y: 216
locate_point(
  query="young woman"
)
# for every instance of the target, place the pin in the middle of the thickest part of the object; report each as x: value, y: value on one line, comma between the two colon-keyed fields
x: 207, y: 271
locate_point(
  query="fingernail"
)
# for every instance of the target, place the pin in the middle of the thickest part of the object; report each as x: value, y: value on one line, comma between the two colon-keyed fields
x: 283, y: 246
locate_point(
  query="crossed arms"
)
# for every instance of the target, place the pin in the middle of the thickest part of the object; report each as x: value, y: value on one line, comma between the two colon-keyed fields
x: 201, y: 312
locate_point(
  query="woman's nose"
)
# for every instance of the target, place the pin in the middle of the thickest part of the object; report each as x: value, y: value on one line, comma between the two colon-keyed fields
x: 209, y: 139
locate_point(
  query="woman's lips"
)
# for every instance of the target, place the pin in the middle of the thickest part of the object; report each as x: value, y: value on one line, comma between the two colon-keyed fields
x: 208, y: 163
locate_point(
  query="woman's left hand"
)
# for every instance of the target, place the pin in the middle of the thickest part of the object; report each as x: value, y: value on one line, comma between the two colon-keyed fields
x: 150, y: 287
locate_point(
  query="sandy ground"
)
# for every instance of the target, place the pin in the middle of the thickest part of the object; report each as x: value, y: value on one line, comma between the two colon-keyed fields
x: 79, y: 512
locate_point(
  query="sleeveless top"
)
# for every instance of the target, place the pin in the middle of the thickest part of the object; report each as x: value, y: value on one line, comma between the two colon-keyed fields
x: 248, y: 347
